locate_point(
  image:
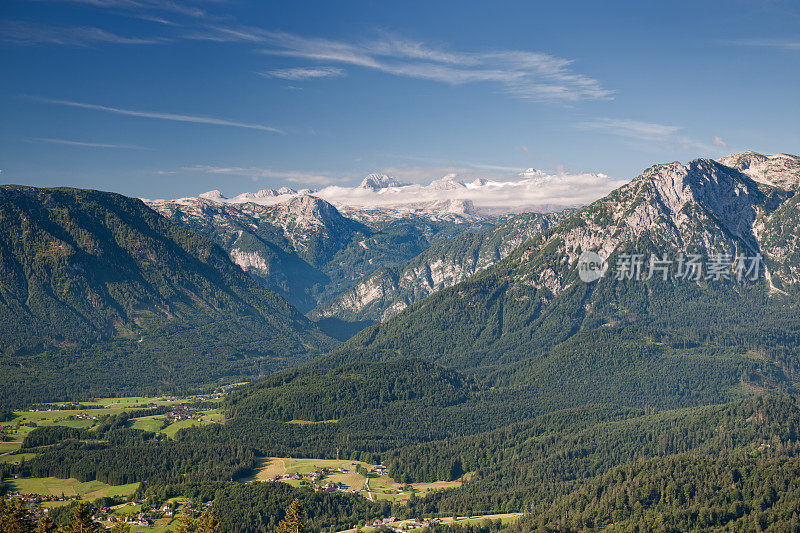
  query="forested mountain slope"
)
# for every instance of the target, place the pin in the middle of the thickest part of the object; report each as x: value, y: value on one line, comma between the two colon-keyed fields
x: 91, y: 280
x: 588, y: 469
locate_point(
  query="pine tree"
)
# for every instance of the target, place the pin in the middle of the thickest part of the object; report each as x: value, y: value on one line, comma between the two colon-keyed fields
x: 208, y: 522
x: 45, y: 525
x: 185, y: 522
x: 293, y: 521
x: 14, y: 517
x: 121, y: 527
x: 82, y: 520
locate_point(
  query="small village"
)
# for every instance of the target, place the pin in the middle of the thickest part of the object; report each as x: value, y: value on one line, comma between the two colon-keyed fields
x: 315, y: 479
x: 39, y: 498
x: 392, y: 523
x: 139, y: 516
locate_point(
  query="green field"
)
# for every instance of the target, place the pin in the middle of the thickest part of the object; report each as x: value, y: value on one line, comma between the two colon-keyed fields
x: 150, y: 423
x: 130, y: 402
x: 172, y: 429
x: 128, y: 509
x: 8, y: 447
x: 381, y: 487
x: 25, y: 421
x: 88, y: 490
x: 215, y: 415
x: 16, y: 457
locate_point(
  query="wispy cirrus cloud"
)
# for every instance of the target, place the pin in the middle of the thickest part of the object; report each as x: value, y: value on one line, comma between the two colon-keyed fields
x: 24, y: 33
x: 522, y: 74
x: 182, y: 8
x: 160, y: 116
x: 256, y: 173
x: 300, y: 73
x: 661, y: 136
x: 437, y: 166
x: 631, y: 128
x: 68, y: 142
x: 788, y: 43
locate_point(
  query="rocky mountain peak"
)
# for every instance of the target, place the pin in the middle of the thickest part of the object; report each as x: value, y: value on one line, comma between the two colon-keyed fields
x: 311, y: 208
x: 458, y: 207
x: 779, y: 170
x: 378, y: 181
x: 679, y: 201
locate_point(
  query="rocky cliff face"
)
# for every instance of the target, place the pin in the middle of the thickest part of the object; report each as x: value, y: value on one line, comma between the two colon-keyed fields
x: 303, y: 247
x: 284, y: 245
x: 388, y: 291
x: 702, y: 207
x: 779, y: 170
x: 310, y: 227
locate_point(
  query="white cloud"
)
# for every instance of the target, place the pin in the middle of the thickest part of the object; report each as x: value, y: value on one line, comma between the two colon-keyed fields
x: 527, y: 191
x: 792, y: 43
x: 526, y: 75
x: 161, y: 116
x: 256, y: 173
x: 719, y: 142
x: 181, y: 8
x: 535, y: 191
x: 304, y: 73
x: 631, y: 128
x: 440, y: 167
x: 521, y: 74
x: 23, y: 33
x: 649, y: 134
x: 68, y: 142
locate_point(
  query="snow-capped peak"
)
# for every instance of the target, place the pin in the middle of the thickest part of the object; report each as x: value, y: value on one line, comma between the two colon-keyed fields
x: 376, y: 182
x: 215, y: 195
x: 447, y: 183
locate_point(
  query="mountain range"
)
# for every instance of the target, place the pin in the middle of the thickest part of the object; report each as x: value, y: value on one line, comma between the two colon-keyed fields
x: 104, y: 275
x: 351, y: 256
x: 536, y: 380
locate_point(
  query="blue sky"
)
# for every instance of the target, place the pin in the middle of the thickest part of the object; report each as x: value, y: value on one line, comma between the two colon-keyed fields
x: 163, y: 99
